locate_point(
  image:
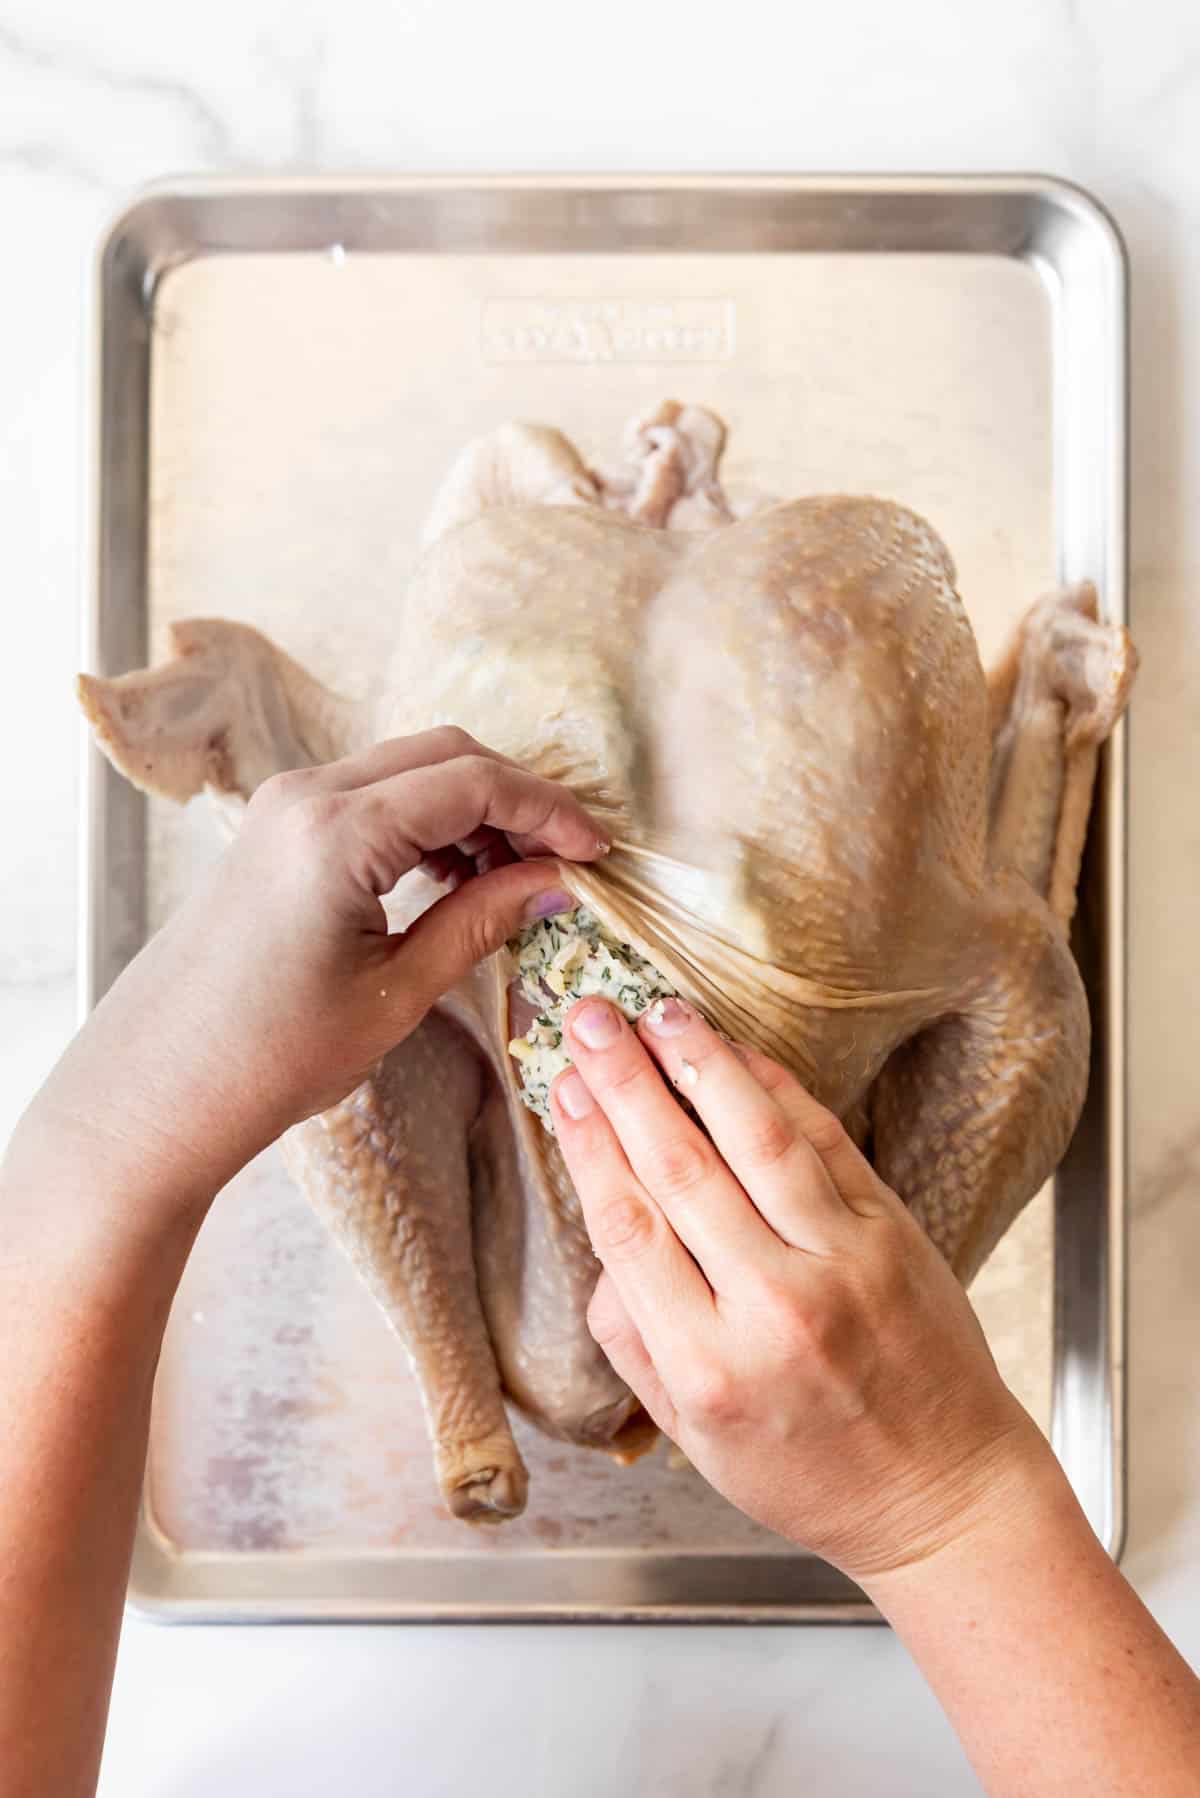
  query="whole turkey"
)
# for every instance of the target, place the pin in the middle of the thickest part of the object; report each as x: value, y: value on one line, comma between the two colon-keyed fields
x: 832, y: 833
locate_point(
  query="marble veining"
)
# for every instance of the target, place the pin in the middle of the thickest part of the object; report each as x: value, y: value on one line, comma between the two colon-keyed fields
x: 67, y: 63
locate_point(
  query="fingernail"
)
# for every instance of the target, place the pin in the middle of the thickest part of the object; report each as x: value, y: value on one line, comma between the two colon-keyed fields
x: 573, y: 1095
x: 668, y: 1017
x: 547, y: 905
x: 596, y: 1026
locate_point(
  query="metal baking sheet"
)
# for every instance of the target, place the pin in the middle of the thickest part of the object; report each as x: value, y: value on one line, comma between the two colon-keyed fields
x: 285, y: 371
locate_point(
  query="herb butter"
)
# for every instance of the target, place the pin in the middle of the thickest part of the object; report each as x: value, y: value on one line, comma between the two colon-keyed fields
x: 562, y: 959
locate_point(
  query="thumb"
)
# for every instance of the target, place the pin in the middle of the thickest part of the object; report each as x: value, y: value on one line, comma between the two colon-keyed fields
x: 467, y: 926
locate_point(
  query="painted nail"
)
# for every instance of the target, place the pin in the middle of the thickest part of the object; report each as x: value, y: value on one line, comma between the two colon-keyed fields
x: 573, y: 1095
x: 596, y: 1026
x: 669, y: 1017
x: 548, y: 905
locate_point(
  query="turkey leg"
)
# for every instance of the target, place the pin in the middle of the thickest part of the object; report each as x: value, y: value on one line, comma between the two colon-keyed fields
x: 533, y: 1257
x: 1055, y: 695
x: 391, y: 1180
x: 536, y: 1275
x: 951, y: 1109
x: 386, y: 1169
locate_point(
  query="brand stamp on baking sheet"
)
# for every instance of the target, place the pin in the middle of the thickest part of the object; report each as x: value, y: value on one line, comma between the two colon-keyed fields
x: 684, y: 330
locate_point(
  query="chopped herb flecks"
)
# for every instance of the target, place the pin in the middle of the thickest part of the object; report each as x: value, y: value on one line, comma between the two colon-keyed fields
x: 560, y: 960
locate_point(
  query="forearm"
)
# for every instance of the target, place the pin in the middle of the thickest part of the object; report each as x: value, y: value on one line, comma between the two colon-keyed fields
x: 267, y: 998
x: 84, y: 1298
x: 1052, y: 1671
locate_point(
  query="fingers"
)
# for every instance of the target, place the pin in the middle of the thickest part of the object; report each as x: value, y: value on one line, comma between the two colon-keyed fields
x: 402, y: 819
x: 449, y: 867
x: 528, y: 846
x: 414, y: 801
x: 670, y: 1158
x: 763, y: 1143
x: 467, y: 926
x: 479, y: 853
x: 665, y: 1294
x: 397, y: 755
x: 617, y: 1334
x: 858, y: 1184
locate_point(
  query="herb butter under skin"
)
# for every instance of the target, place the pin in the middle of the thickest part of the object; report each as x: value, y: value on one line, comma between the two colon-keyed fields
x: 562, y: 959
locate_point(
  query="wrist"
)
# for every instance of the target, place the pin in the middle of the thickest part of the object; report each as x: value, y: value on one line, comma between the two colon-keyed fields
x: 88, y: 1190
x: 128, y: 1106
x: 1024, y: 1504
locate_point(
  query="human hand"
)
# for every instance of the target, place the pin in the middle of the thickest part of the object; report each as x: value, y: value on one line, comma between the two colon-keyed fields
x: 271, y: 992
x: 773, y: 1304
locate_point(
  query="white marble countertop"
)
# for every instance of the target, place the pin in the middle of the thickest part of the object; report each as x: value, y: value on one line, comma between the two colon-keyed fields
x: 94, y: 103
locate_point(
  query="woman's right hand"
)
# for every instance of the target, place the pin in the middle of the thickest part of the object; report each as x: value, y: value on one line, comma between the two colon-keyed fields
x: 774, y: 1305
x: 276, y: 986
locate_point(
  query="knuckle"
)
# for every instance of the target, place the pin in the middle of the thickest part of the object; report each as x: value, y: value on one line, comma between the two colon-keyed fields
x: 604, y: 1329
x: 631, y: 1073
x: 308, y: 821
x: 605, y: 1322
x: 280, y: 790
x: 622, y: 1228
x: 774, y: 1301
x: 781, y: 1319
x: 675, y: 1167
x: 768, y: 1141
x: 316, y: 814
x: 712, y: 1396
x: 453, y: 740
x: 768, y: 1073
x: 479, y: 770
x: 483, y: 934
x: 826, y: 1133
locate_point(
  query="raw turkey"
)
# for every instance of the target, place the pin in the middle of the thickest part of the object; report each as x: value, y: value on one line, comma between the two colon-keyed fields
x: 833, y: 834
